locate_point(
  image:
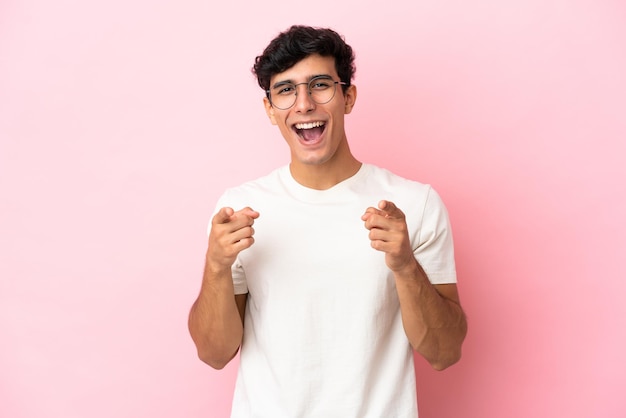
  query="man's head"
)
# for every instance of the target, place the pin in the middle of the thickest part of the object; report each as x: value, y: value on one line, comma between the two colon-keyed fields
x: 299, y: 42
x: 315, y: 61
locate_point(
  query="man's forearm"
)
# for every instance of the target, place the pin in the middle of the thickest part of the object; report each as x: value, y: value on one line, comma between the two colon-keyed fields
x: 433, y: 319
x: 215, y: 324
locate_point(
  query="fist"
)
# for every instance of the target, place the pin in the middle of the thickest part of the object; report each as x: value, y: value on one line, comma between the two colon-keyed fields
x: 231, y: 232
x: 389, y: 234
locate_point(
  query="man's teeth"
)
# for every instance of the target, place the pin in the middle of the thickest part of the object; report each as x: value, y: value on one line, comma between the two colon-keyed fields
x: 309, y: 125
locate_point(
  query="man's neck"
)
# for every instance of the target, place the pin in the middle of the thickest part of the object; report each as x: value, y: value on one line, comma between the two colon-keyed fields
x: 324, y: 176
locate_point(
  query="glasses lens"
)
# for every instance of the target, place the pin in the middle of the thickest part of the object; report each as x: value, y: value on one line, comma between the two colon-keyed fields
x: 322, y: 89
x: 283, y: 95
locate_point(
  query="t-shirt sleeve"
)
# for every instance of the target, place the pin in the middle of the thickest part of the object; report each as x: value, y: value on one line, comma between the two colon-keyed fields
x: 239, y: 277
x: 434, y: 248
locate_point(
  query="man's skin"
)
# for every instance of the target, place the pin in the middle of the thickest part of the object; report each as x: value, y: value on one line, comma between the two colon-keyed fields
x: 433, y: 320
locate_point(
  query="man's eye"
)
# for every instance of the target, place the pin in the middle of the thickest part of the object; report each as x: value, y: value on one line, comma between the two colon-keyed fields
x: 285, y: 90
x: 320, y: 85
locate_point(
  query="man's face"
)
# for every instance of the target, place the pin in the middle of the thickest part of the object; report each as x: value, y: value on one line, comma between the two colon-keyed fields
x: 314, y: 132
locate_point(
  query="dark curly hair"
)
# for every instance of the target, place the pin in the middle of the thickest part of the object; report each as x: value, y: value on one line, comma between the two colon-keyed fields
x: 297, y: 43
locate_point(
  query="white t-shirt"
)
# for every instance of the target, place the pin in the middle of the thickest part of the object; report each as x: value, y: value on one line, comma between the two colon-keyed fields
x: 323, y: 334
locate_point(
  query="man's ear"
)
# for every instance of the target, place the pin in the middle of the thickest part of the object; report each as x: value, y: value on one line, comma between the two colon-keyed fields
x: 269, y: 110
x: 350, y: 98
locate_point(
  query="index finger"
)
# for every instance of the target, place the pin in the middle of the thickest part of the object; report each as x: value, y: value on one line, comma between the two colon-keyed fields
x: 249, y: 212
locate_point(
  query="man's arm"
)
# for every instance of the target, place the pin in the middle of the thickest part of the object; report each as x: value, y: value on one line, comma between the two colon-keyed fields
x: 432, y: 316
x: 216, y: 317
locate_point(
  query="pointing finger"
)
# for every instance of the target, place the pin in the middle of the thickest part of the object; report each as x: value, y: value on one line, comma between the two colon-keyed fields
x: 369, y: 212
x: 226, y: 215
x: 247, y: 211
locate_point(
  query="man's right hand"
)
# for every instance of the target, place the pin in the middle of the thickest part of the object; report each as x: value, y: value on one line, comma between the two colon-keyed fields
x: 231, y: 232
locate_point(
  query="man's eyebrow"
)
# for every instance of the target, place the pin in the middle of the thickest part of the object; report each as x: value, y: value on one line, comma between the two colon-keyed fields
x: 320, y: 76
x: 283, y: 82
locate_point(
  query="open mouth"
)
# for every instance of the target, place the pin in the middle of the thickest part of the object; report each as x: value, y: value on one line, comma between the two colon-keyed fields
x: 310, y: 131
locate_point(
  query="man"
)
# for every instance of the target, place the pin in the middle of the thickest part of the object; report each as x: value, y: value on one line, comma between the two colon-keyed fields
x: 327, y: 271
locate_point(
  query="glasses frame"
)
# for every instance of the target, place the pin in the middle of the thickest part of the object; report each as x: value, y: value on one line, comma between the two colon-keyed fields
x: 308, y: 90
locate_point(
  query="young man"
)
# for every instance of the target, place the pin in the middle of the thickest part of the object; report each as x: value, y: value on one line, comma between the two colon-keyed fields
x: 327, y: 271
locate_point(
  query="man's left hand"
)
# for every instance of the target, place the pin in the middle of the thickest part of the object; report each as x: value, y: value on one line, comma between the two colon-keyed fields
x: 389, y: 234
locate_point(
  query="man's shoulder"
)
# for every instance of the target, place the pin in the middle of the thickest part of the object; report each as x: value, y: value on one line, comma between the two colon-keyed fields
x: 258, y: 187
x: 391, y: 179
x: 270, y: 179
x: 412, y: 196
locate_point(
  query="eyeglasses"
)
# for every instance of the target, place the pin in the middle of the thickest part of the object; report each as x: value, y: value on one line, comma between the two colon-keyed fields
x: 321, y: 90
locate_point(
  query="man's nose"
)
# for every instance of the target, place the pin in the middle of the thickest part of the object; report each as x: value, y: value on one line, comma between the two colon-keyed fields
x: 304, y: 102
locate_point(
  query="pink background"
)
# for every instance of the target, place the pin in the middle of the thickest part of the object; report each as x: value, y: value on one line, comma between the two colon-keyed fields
x: 121, y: 122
